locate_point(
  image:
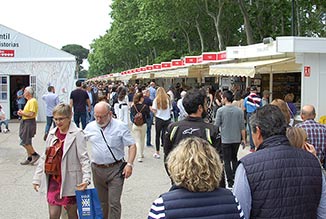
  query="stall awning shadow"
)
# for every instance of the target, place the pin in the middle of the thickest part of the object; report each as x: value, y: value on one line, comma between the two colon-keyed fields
x: 246, y: 69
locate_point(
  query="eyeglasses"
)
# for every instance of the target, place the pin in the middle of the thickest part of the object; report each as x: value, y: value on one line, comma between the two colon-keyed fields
x: 101, y: 117
x: 60, y: 119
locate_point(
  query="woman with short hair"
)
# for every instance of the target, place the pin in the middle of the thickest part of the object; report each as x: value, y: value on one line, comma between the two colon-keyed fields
x: 73, y: 171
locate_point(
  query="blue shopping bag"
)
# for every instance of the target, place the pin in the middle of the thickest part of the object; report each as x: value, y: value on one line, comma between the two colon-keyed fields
x: 89, y: 205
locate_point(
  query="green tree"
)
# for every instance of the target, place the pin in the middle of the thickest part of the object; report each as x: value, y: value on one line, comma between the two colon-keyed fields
x: 147, y: 32
x: 79, y: 52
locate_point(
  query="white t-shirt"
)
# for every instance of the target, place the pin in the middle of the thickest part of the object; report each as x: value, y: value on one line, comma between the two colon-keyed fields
x: 164, y: 114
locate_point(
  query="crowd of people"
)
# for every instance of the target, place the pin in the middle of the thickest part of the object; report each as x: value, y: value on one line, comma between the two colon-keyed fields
x: 200, y: 132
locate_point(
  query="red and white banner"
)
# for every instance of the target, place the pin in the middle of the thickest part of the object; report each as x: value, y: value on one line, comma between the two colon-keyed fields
x: 166, y: 64
x: 138, y: 70
x: 7, y: 53
x: 177, y: 62
x: 188, y: 60
x: 142, y: 69
x: 157, y: 66
x: 221, y: 56
x: 213, y: 56
x: 149, y: 67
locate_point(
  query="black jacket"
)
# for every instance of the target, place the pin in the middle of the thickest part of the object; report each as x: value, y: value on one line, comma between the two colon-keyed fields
x: 191, y: 126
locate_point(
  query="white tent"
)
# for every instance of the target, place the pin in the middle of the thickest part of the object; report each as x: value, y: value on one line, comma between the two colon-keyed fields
x: 24, y: 60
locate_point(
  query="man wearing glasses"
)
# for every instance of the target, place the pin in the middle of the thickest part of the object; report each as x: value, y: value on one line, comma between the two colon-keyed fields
x: 109, y: 137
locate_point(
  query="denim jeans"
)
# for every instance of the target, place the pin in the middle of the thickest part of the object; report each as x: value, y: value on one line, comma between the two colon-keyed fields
x: 149, y: 129
x: 252, y: 145
x: 80, y: 117
x: 89, y: 115
x: 49, y: 121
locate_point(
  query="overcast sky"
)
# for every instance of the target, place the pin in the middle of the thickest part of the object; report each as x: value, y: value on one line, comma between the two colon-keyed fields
x: 58, y: 22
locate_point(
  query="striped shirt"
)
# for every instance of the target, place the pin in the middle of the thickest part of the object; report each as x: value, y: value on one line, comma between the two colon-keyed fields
x: 252, y: 102
x: 316, y: 133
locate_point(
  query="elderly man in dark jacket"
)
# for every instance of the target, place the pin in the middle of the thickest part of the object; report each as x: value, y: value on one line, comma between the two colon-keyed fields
x: 278, y: 180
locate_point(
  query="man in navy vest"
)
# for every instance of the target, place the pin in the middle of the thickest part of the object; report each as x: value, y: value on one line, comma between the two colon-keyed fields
x: 278, y: 180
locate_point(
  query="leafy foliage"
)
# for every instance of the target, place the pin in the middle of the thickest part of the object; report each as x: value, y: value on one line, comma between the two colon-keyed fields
x: 145, y: 32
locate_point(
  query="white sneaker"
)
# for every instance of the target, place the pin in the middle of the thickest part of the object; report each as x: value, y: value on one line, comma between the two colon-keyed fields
x: 140, y: 159
x: 157, y: 156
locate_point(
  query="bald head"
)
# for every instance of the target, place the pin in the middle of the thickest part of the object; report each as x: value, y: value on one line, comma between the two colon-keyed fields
x: 308, y: 112
x: 102, y: 106
x: 102, y: 113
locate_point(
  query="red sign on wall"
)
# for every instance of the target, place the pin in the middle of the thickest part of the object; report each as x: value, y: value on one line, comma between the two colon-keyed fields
x: 142, y: 68
x: 177, y: 62
x: 149, y: 67
x: 306, y: 71
x: 157, y: 66
x: 166, y: 64
x: 7, y: 53
x: 190, y: 59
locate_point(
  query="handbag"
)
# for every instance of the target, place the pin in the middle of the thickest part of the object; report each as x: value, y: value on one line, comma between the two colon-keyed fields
x: 88, y: 204
x: 124, y: 163
x: 52, y: 164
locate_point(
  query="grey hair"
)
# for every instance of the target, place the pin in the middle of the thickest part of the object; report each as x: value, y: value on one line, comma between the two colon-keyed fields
x: 30, y: 90
x: 270, y: 120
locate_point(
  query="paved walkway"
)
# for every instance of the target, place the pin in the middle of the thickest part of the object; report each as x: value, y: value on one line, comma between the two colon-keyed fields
x: 20, y: 201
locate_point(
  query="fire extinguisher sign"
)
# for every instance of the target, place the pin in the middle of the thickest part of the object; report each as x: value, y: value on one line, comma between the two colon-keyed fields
x: 307, y: 71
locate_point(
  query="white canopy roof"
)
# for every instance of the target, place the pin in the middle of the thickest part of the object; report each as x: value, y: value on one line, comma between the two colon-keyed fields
x: 249, y: 69
x: 16, y: 47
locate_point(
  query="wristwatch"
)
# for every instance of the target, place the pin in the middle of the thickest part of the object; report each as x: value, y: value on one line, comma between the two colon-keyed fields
x: 130, y: 164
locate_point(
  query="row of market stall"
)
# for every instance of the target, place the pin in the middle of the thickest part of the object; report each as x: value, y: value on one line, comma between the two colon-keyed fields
x: 283, y: 65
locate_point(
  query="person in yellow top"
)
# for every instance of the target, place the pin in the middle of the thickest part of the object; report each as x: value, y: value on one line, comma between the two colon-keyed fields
x: 27, y: 128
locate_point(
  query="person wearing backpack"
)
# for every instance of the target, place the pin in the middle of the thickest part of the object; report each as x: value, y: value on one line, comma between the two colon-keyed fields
x: 140, y: 113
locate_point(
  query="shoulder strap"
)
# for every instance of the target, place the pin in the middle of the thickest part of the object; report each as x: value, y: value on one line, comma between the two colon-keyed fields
x: 142, y: 108
x: 136, y: 108
x: 108, y: 146
x: 289, y: 109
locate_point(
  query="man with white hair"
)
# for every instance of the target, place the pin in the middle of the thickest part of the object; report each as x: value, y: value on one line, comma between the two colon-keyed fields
x: 182, y: 114
x: 27, y: 129
x: 109, y: 137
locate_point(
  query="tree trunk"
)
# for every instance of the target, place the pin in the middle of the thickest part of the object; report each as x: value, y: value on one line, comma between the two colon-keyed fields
x: 216, y: 19
x: 155, y: 53
x: 200, y: 35
x: 248, y: 28
x: 298, y: 29
x: 186, y: 36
